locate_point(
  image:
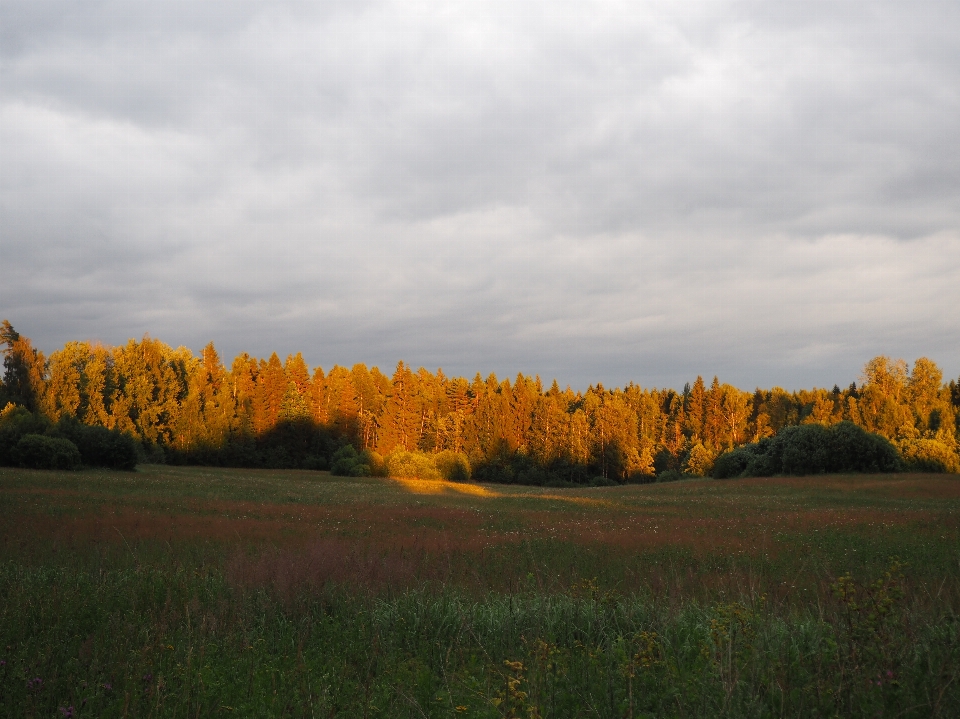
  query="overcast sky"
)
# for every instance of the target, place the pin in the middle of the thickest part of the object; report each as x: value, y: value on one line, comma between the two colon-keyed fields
x: 592, y: 191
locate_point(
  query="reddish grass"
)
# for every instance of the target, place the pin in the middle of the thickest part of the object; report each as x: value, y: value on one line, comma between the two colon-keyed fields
x: 287, y: 545
x: 403, y: 527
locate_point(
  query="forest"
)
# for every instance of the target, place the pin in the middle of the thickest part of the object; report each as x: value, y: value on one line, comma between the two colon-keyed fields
x: 187, y: 409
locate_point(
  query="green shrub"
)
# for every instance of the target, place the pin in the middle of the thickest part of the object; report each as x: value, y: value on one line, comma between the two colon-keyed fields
x: 929, y: 455
x: 806, y: 449
x: 453, y: 466
x: 854, y: 449
x: 16, y: 422
x: 99, y: 446
x: 375, y: 462
x: 669, y: 475
x: 734, y: 462
x: 37, y: 451
x: 401, y: 463
x: 344, y: 460
x: 810, y: 449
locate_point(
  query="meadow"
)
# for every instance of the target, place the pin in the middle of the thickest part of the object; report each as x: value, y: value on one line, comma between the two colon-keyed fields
x: 175, y: 591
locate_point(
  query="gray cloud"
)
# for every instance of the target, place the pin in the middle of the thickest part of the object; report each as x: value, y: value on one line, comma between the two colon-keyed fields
x: 592, y: 191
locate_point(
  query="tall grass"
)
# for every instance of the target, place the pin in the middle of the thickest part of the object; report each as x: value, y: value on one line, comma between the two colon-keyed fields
x: 174, y: 641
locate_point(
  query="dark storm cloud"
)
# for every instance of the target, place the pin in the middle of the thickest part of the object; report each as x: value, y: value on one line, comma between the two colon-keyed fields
x: 593, y: 191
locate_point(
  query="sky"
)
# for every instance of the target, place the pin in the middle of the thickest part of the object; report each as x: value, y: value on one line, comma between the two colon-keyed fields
x: 588, y: 191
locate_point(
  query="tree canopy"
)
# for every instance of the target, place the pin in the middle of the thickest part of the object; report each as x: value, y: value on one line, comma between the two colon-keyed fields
x: 268, y: 412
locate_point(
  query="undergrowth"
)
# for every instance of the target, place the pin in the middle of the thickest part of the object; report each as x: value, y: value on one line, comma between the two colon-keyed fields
x: 156, y: 641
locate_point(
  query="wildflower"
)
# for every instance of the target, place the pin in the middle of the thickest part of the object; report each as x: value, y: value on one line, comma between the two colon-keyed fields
x: 148, y: 677
x: 67, y: 712
x: 108, y: 686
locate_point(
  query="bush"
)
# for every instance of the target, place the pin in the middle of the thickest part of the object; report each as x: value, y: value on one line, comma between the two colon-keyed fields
x: 376, y: 464
x: 854, y: 449
x: 669, y: 475
x: 99, y: 446
x: 37, y: 451
x: 16, y: 422
x: 805, y: 449
x: 453, y: 466
x: 665, y: 461
x: 929, y: 455
x: 734, y: 462
x: 312, y: 461
x: 401, y: 463
x: 344, y: 462
x: 810, y: 449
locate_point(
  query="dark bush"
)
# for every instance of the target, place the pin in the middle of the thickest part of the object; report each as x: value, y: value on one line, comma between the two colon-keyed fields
x: 37, y: 451
x: 315, y: 462
x: 733, y: 463
x: 102, y: 447
x: 767, y: 459
x: 811, y: 449
x: 99, y: 446
x: 16, y: 422
x: 670, y: 475
x: 666, y: 461
x: 347, y: 463
x: 854, y: 449
x: 806, y: 450
x: 511, y: 467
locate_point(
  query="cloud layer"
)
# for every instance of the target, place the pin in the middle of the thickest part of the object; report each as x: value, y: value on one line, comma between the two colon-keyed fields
x: 592, y: 191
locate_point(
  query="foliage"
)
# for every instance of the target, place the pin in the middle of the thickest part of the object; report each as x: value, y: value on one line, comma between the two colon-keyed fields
x: 347, y: 463
x: 734, y: 462
x: 453, y: 466
x: 811, y: 449
x: 699, y: 461
x: 412, y: 464
x: 929, y: 455
x: 98, y: 446
x: 273, y: 413
x: 37, y: 451
x: 15, y: 422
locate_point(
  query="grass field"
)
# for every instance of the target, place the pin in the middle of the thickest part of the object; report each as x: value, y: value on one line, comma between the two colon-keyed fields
x: 197, y: 592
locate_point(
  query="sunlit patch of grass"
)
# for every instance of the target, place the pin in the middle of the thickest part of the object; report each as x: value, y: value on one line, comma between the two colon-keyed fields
x: 441, y: 486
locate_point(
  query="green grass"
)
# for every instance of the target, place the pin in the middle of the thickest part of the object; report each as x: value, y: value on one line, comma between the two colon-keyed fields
x: 199, y: 592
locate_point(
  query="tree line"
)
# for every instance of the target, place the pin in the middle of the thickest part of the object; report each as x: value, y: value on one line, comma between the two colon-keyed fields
x: 184, y: 408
